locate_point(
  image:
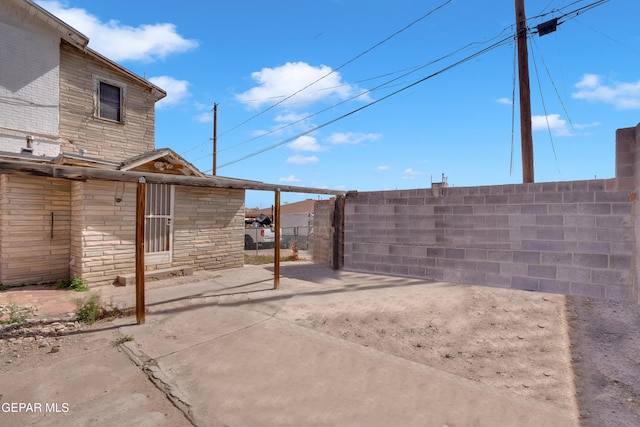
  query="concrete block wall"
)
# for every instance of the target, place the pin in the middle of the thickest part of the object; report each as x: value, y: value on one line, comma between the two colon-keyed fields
x: 322, y: 231
x: 575, y: 238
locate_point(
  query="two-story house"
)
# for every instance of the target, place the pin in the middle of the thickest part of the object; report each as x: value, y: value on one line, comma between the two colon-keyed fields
x: 61, y: 103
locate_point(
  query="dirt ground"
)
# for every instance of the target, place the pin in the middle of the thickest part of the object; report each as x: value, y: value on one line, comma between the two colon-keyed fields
x: 579, y: 354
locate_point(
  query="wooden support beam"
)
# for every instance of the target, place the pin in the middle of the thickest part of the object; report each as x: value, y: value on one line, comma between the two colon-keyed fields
x: 525, y: 94
x: 276, y: 249
x: 141, y: 198
x: 78, y: 173
x: 338, y: 230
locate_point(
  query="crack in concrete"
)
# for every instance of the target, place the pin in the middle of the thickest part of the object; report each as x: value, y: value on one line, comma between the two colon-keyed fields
x: 162, y: 382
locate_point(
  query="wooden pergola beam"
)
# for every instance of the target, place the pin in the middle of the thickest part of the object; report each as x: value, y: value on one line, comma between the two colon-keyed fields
x: 78, y: 173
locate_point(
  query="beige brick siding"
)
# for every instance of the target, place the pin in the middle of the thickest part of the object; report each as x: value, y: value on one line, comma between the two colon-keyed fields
x: 31, y: 251
x: 208, y: 230
x: 103, y: 230
x: 102, y: 139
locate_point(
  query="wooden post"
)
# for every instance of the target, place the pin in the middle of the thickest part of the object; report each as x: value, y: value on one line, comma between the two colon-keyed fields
x: 215, y: 139
x: 525, y: 94
x: 141, y: 198
x: 338, y: 227
x: 276, y: 249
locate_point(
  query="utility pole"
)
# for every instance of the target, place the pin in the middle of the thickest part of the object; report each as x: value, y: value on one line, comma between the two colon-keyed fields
x: 215, y: 137
x: 525, y: 94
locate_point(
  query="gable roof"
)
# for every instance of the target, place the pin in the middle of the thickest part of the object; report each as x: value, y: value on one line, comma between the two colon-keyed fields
x: 161, y: 159
x: 67, y: 32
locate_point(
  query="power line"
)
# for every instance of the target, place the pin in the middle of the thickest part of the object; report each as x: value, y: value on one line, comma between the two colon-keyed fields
x: 447, y: 68
x: 341, y: 66
x: 472, y: 56
x: 386, y: 84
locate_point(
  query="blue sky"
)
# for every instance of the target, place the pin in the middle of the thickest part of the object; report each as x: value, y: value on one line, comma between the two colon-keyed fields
x: 376, y: 94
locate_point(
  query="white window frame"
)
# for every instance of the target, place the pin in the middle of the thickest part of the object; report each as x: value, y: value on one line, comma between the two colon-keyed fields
x: 96, y: 98
x: 158, y: 223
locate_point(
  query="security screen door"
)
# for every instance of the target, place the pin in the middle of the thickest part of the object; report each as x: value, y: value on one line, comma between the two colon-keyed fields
x: 158, y: 223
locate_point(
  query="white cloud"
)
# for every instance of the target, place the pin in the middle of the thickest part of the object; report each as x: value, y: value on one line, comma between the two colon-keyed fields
x: 203, y: 118
x: 411, y: 174
x: 275, y: 84
x: 305, y: 143
x: 290, y: 178
x: 289, y: 117
x: 302, y: 160
x: 624, y: 96
x: 383, y: 168
x: 119, y: 42
x: 557, y: 125
x: 177, y: 90
x: 504, y: 101
x: 352, y: 137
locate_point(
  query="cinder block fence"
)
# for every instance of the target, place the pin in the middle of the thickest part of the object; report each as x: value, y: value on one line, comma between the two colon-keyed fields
x: 575, y: 238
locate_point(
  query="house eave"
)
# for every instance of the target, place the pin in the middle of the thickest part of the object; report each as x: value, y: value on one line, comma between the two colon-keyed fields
x: 67, y: 32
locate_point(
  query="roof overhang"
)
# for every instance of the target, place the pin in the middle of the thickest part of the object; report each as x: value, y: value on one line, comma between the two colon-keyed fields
x: 67, y: 33
x: 162, y: 159
x: 79, y: 40
x: 78, y: 173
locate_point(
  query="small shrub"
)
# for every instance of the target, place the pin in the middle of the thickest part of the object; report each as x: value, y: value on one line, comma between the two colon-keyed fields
x: 4, y: 288
x: 16, y: 314
x: 88, y: 309
x: 77, y: 284
x: 122, y: 340
x: 91, y: 309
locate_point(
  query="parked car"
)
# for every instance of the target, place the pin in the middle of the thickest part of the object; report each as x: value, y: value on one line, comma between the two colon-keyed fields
x: 258, y: 232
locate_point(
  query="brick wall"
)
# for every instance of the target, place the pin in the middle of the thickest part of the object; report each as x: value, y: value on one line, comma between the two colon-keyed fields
x: 29, y: 83
x: 208, y: 230
x: 576, y: 238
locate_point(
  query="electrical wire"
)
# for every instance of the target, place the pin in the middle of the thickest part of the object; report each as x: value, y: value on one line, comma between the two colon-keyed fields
x: 386, y: 84
x: 406, y: 27
x: 415, y: 83
x: 553, y: 84
x: 546, y: 115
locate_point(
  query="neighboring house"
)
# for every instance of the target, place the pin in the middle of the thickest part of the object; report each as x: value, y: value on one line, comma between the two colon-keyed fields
x: 63, y: 104
x: 296, y: 222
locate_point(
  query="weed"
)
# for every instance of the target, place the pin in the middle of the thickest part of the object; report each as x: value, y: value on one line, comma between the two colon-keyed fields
x: 77, y: 284
x: 88, y: 309
x: 16, y: 314
x: 122, y: 340
x: 4, y: 288
x: 91, y: 309
x: 267, y: 259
